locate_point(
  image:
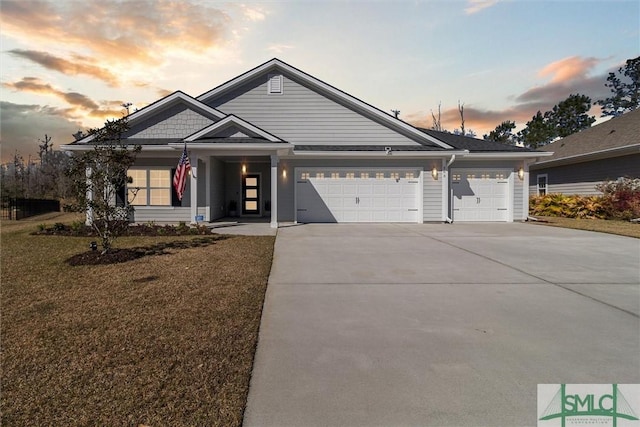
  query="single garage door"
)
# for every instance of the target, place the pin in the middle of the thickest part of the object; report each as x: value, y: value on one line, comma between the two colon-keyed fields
x: 358, y: 195
x: 480, y: 195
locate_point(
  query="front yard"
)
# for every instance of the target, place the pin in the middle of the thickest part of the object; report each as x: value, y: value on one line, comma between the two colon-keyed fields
x: 622, y: 228
x: 161, y: 340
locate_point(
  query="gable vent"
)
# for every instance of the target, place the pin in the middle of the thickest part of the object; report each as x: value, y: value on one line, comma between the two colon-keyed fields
x: 274, y: 87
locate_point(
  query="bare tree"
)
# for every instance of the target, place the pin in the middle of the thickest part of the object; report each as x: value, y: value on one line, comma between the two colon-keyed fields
x: 461, y: 111
x: 437, y: 123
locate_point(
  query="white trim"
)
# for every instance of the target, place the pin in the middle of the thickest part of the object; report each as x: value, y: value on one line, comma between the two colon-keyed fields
x: 236, y: 121
x: 546, y: 183
x: 508, y: 155
x: 367, y: 154
x: 224, y: 146
x: 162, y: 103
x: 276, y: 64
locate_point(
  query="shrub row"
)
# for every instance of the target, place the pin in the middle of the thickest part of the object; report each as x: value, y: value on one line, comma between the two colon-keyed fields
x: 620, y: 200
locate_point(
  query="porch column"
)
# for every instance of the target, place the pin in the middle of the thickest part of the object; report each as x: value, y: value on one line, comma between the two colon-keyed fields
x: 207, y: 184
x: 274, y: 190
x: 194, y: 187
x: 525, y: 190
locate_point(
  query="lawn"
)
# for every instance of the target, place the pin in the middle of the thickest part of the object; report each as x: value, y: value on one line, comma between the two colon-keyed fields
x: 161, y: 340
x: 623, y: 228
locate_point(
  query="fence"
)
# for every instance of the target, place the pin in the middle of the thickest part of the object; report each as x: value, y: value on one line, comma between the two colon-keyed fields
x: 24, y: 208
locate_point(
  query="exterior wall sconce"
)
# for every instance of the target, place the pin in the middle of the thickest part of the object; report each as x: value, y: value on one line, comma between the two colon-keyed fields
x: 521, y: 173
x: 284, y: 173
x: 434, y: 173
x: 244, y: 169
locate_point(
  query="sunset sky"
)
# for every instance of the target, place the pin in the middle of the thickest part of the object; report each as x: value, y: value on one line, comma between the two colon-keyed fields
x: 69, y: 65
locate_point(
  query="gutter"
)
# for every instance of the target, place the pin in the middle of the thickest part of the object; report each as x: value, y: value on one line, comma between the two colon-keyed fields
x: 448, y: 220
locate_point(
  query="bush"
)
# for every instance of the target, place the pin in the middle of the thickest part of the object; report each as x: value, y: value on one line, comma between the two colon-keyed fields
x: 622, y: 198
x: 586, y: 207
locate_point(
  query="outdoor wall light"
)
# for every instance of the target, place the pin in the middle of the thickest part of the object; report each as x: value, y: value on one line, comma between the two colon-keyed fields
x: 434, y: 173
x: 244, y: 169
x: 284, y: 173
x: 521, y: 173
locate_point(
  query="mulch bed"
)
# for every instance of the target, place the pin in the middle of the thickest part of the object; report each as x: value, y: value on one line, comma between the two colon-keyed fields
x: 82, y: 230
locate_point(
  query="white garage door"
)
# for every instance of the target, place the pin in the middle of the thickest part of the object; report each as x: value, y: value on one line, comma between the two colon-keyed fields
x: 358, y: 195
x: 480, y: 195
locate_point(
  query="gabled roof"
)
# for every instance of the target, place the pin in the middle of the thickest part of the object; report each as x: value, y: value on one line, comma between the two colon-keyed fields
x: 615, y: 135
x: 210, y: 131
x: 163, y: 103
x: 323, y: 88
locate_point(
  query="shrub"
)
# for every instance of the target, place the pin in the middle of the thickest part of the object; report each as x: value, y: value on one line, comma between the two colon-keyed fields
x: 622, y: 198
x: 587, y: 207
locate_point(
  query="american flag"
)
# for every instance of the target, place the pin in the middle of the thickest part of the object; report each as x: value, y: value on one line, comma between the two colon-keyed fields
x: 180, y: 177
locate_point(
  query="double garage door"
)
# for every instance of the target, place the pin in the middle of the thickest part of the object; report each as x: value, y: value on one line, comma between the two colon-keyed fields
x: 358, y: 195
x: 480, y: 195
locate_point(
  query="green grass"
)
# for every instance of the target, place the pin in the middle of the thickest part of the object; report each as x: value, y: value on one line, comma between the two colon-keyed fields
x: 161, y: 340
x: 622, y: 228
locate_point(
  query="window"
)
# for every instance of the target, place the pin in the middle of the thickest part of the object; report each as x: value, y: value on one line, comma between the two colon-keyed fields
x: 275, y: 84
x: 150, y: 187
x: 319, y: 175
x: 350, y: 175
x: 456, y: 177
x: 409, y: 175
x: 379, y: 175
x: 304, y: 175
x: 335, y: 175
x: 364, y: 175
x: 542, y: 185
x: 394, y: 175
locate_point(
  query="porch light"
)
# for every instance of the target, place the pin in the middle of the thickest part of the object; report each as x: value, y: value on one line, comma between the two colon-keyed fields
x: 284, y: 173
x: 244, y: 169
x: 521, y: 173
x: 434, y: 173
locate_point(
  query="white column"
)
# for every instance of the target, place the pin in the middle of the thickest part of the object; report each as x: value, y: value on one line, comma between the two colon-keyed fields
x: 444, y: 183
x: 207, y: 176
x: 89, y: 213
x: 274, y: 191
x: 194, y: 187
x: 525, y: 190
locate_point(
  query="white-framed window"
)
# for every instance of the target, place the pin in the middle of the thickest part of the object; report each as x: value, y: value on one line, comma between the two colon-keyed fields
x: 542, y: 184
x: 409, y: 175
x: 394, y: 175
x: 364, y: 175
x: 275, y: 85
x: 335, y: 175
x: 150, y: 187
x: 305, y: 175
x: 350, y: 175
x: 319, y: 175
x: 379, y: 175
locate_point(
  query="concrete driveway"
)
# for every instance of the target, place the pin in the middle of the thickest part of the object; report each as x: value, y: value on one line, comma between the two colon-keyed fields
x: 429, y: 325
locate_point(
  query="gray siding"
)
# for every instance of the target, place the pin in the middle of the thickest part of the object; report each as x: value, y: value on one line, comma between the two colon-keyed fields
x: 233, y: 182
x: 582, y: 178
x: 303, y: 116
x: 175, y: 122
x: 518, y: 207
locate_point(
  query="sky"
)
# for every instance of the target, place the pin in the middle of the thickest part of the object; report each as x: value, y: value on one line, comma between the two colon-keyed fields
x: 70, y: 65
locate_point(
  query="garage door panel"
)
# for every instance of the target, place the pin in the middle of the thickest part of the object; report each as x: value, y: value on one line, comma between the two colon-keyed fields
x: 357, y: 195
x: 480, y: 195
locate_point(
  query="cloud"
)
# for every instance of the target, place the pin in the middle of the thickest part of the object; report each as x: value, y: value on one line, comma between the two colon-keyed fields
x: 253, y: 13
x: 475, y: 6
x: 22, y: 126
x: 279, y: 48
x: 568, y: 76
x: 117, y: 33
x: 81, y: 105
x: 567, y: 69
x: 80, y: 65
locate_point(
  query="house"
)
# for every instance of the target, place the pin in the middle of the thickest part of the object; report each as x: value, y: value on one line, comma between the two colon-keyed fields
x: 583, y: 160
x: 287, y: 146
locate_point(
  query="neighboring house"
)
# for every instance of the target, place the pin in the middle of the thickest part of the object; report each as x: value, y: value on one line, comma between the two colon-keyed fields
x: 284, y: 145
x: 583, y: 160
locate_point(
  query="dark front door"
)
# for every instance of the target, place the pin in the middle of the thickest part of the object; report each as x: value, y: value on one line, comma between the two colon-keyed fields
x: 251, y: 194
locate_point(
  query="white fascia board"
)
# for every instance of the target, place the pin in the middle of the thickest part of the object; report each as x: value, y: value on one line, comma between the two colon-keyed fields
x: 236, y: 121
x: 231, y: 146
x: 508, y: 155
x: 86, y: 147
x: 378, y: 154
x: 610, y: 152
x: 149, y: 109
x: 322, y: 86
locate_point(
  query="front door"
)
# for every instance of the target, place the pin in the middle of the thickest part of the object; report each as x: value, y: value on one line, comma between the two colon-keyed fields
x: 251, y: 194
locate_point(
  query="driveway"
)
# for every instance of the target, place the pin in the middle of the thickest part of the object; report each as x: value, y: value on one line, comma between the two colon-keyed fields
x: 438, y: 324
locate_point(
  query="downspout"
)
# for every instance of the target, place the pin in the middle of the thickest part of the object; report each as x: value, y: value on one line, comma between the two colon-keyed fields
x: 451, y: 160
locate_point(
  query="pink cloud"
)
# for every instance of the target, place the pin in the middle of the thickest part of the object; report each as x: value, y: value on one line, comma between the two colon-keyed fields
x: 567, y: 69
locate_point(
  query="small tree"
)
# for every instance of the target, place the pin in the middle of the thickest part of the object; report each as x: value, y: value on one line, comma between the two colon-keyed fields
x: 98, y: 175
x: 503, y: 133
x: 625, y: 90
x: 571, y: 115
x: 537, y: 132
